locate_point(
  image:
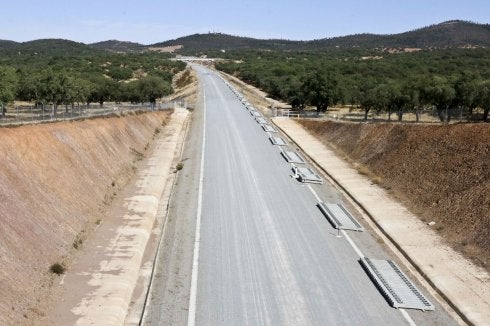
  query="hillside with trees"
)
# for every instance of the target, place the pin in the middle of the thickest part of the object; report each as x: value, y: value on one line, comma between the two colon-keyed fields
x: 46, y: 47
x: 118, y: 46
x: 196, y: 43
x: 448, y: 34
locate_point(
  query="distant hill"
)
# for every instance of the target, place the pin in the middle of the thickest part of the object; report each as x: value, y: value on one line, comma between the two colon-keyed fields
x: 454, y: 33
x: 7, y: 43
x: 118, y: 46
x: 219, y: 41
x: 448, y: 34
x: 55, y: 47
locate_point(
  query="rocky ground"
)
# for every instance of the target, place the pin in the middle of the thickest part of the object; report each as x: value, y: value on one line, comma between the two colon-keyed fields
x: 441, y: 172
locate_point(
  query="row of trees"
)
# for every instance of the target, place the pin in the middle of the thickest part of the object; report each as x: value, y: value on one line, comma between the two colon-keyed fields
x: 48, y: 87
x: 467, y: 92
x: 392, y: 83
x: 69, y: 76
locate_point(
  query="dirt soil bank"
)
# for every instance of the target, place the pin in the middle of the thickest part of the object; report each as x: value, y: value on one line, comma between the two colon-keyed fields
x: 442, y: 173
x: 56, y: 181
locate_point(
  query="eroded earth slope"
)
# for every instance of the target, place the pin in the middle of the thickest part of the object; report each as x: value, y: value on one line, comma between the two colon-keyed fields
x: 441, y: 172
x: 56, y: 181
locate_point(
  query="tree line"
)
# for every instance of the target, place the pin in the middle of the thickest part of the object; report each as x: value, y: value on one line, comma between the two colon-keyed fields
x: 51, y: 81
x: 372, y: 80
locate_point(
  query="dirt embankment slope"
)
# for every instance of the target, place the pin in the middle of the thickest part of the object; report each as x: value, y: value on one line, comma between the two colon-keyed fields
x: 56, y: 181
x: 442, y: 173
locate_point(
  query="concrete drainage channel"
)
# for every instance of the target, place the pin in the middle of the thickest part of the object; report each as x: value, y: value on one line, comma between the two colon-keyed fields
x: 138, y: 310
x: 392, y: 283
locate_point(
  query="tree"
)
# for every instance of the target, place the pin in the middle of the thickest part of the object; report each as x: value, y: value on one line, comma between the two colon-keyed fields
x: 484, y: 99
x: 395, y: 100
x: 69, y: 85
x: 150, y: 88
x: 466, y: 89
x: 320, y: 90
x: 382, y: 98
x: 410, y: 90
x: 76, y: 90
x: 367, y: 96
x: 130, y: 92
x: 400, y: 97
x: 119, y: 73
x: 294, y: 94
x: 8, y: 87
x: 82, y: 90
x: 439, y: 92
x: 29, y: 87
x: 375, y: 97
x: 104, y: 90
x: 51, y: 88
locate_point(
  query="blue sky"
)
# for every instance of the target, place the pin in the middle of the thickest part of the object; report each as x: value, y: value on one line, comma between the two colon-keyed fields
x: 151, y: 21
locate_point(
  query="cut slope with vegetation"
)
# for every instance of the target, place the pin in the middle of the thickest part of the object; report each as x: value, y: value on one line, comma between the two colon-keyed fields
x: 442, y: 173
x: 57, y: 179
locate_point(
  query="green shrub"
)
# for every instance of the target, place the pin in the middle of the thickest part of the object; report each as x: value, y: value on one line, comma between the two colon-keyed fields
x: 77, y: 242
x: 57, y: 269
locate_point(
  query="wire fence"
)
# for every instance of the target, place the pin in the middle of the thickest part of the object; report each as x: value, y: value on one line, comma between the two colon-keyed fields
x: 430, y: 115
x: 26, y: 114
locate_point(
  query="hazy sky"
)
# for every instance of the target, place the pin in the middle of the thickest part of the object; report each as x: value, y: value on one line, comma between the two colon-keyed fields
x: 151, y: 21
